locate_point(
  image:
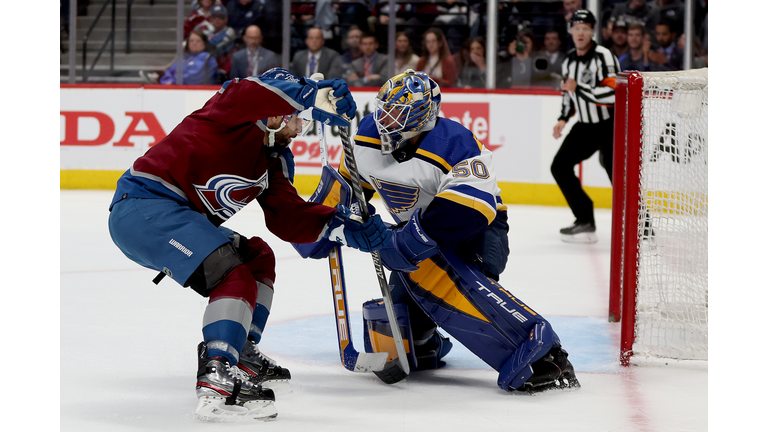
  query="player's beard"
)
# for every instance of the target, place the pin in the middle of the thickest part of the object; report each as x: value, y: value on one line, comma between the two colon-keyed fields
x: 283, y: 137
x: 282, y: 140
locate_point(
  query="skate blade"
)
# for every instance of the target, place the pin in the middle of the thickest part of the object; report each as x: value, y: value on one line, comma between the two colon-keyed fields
x: 561, y: 385
x: 280, y: 387
x: 214, y: 409
x: 579, y: 238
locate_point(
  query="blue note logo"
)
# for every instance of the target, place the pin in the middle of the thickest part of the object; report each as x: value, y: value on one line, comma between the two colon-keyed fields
x: 225, y: 194
x: 399, y: 198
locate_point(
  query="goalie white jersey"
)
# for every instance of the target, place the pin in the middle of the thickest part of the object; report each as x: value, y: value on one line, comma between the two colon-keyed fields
x: 449, y: 167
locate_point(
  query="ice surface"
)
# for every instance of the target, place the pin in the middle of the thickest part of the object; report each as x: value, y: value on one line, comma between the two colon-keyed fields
x: 128, y: 356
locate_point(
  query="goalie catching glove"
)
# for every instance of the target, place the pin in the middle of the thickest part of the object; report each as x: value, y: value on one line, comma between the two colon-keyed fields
x: 349, y: 229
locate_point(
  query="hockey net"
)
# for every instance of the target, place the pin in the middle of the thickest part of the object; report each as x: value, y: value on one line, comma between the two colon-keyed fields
x: 659, y: 282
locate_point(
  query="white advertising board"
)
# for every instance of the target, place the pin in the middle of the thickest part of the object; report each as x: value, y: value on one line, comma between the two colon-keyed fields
x: 107, y: 128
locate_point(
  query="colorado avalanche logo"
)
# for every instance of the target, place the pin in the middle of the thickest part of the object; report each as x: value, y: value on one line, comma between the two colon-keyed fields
x: 225, y: 194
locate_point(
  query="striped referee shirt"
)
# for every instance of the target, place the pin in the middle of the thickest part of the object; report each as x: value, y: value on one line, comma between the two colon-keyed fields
x: 595, y: 75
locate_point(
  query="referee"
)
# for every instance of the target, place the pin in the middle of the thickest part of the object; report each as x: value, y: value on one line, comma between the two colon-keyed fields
x: 589, y: 80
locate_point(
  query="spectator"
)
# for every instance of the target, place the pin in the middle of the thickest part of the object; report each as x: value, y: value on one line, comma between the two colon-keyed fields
x: 354, y: 13
x: 631, y: 11
x: 270, y: 21
x: 569, y: 7
x: 518, y: 71
x: 436, y: 59
x: 353, y: 44
x: 405, y: 58
x: 670, y: 10
x: 452, y: 16
x: 406, y: 14
x: 472, y: 64
x: 243, y: 13
x: 326, y: 17
x: 201, y: 13
x: 606, y: 30
x: 221, y: 36
x: 700, y: 55
x: 552, y: 50
x: 552, y: 55
x: 619, y: 45
x: 668, y: 56
x: 370, y: 70
x: 639, y: 48
x: 317, y: 58
x: 254, y: 59
x: 199, y: 64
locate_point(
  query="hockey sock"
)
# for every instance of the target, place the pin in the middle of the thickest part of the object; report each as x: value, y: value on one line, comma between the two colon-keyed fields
x: 261, y: 312
x: 228, y: 315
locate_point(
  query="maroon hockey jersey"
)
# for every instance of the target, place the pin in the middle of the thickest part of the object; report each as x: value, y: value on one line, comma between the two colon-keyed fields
x: 216, y: 161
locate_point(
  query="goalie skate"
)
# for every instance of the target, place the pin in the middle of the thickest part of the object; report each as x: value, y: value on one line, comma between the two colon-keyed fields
x: 225, y: 393
x: 552, y: 372
x: 262, y: 370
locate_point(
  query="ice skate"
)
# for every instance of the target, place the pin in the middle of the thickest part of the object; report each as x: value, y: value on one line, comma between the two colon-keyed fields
x: 552, y: 372
x: 579, y: 232
x: 429, y: 354
x: 262, y: 370
x: 225, y: 393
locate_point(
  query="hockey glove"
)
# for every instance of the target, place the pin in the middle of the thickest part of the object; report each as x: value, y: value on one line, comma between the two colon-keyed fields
x: 408, y: 246
x: 348, y: 229
x: 334, y: 104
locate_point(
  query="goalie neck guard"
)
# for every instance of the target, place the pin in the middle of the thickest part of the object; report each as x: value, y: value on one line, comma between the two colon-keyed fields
x: 406, y: 105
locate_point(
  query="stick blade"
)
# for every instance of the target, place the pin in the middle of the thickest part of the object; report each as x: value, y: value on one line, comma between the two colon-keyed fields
x: 391, y: 373
x: 370, y: 362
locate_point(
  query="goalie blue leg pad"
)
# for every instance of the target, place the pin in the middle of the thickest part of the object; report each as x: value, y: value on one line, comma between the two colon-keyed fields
x: 487, y: 319
x: 331, y: 191
x: 517, y: 370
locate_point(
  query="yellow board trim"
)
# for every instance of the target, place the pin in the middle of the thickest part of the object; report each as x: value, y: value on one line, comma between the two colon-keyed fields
x: 89, y: 179
x: 511, y: 193
x: 472, y: 203
x: 435, y: 158
x: 435, y: 280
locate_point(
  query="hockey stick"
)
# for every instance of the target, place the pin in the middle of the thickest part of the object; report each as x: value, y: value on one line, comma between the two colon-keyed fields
x: 350, y: 357
x: 396, y: 371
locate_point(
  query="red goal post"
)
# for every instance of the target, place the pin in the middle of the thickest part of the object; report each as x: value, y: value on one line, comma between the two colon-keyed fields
x: 658, y: 281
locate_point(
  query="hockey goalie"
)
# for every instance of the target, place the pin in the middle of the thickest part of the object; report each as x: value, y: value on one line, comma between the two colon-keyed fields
x: 449, y: 244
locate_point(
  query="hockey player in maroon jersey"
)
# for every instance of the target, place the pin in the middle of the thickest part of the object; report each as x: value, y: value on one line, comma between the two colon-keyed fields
x: 169, y: 206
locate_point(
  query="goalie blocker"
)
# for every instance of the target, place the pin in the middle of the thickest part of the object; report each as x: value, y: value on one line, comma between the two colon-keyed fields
x: 486, y: 318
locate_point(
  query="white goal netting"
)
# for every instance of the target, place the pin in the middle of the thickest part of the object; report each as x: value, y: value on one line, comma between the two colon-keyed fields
x: 672, y: 278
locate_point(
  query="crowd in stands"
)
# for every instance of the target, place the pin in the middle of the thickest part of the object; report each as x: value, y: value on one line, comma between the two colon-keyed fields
x: 348, y: 39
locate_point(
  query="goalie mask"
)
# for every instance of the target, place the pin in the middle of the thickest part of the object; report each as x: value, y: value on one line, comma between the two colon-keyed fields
x: 405, y: 106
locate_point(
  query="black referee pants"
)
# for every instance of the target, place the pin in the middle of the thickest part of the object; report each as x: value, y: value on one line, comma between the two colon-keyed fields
x: 580, y: 144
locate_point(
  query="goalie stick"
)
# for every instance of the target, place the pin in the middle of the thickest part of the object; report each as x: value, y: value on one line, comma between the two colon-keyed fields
x: 394, y: 371
x: 351, y: 359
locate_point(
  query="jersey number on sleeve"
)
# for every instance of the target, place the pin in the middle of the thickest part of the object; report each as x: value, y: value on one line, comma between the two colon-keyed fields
x: 462, y: 169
